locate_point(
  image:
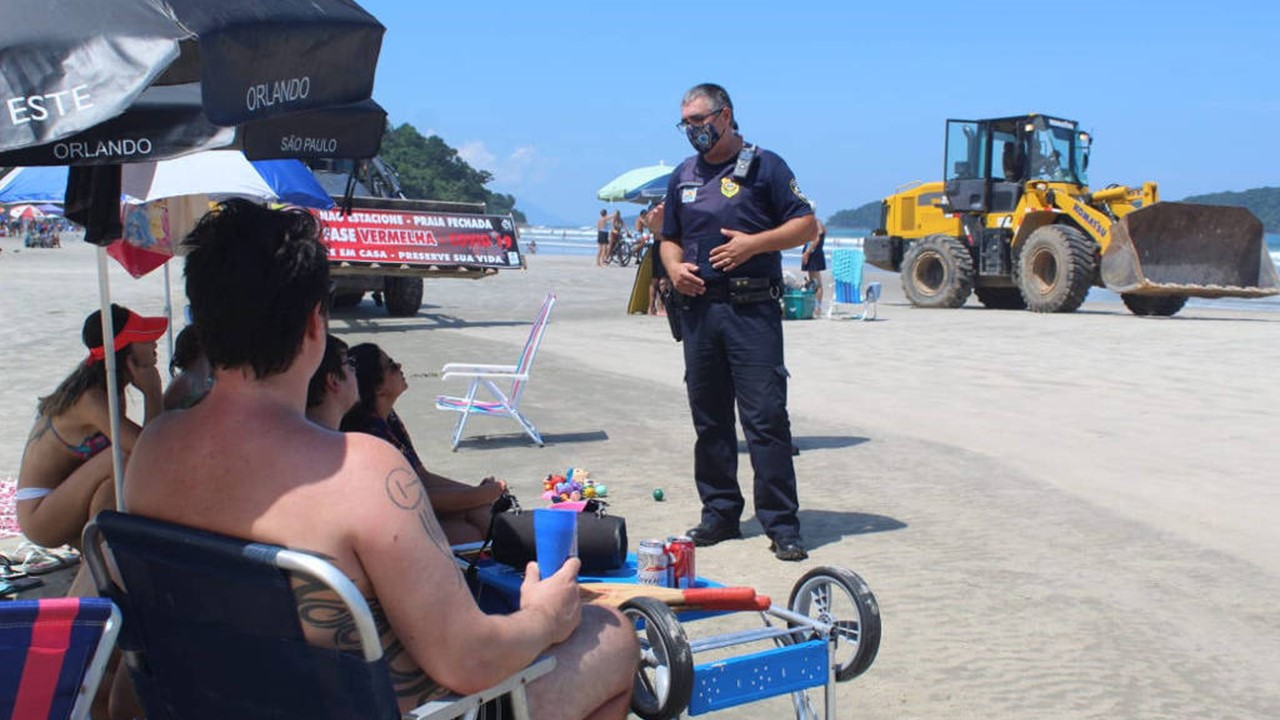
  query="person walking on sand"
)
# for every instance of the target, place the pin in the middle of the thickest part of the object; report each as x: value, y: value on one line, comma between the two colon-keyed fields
x: 247, y: 462
x: 813, y: 260
x: 602, y: 238
x: 729, y: 212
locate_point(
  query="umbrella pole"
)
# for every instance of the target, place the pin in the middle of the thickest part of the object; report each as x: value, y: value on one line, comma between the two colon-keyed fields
x: 113, y: 386
x: 168, y: 310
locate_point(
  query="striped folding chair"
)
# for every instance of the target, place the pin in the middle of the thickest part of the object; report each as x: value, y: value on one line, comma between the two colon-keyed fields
x: 505, y: 402
x: 53, y: 653
x: 846, y: 270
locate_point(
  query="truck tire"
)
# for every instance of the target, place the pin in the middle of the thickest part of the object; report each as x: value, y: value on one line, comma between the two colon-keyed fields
x: 1147, y: 305
x: 346, y: 299
x: 1055, y: 268
x: 403, y: 296
x: 937, y: 272
x: 1001, y: 298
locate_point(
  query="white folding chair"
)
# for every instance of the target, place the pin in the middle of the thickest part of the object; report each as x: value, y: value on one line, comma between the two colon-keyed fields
x: 505, y: 402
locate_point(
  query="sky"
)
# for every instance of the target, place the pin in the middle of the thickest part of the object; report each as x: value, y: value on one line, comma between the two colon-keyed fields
x: 557, y: 98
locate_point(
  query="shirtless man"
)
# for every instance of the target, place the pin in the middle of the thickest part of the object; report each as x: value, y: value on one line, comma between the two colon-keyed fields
x: 246, y: 462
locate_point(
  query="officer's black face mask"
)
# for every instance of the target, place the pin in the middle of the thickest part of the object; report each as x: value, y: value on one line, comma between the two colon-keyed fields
x: 703, y: 137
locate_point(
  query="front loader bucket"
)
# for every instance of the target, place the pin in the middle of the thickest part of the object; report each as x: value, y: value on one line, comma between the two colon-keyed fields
x: 1170, y: 248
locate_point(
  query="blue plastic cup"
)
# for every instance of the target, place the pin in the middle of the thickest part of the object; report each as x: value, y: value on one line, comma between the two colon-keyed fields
x: 555, y: 535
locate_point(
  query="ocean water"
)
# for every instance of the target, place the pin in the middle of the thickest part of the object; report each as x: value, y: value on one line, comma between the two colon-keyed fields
x: 582, y: 241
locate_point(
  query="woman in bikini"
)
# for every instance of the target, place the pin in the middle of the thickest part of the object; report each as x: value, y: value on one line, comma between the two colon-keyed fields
x: 463, y: 510
x: 66, y: 477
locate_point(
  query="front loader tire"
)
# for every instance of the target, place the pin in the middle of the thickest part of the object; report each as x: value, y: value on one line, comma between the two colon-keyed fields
x: 1153, y: 305
x: 937, y: 272
x: 1055, y: 268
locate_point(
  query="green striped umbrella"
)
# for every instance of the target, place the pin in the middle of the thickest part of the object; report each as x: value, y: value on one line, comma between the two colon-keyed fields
x: 617, y: 189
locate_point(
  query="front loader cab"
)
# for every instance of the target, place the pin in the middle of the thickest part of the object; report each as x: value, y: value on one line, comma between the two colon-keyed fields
x: 988, y: 162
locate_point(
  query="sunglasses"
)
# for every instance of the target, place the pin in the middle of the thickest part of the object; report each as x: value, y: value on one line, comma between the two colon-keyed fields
x: 351, y: 363
x: 698, y: 120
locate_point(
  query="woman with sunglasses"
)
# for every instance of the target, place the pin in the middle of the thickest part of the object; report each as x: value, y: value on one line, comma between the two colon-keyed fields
x: 463, y: 510
x: 332, y: 391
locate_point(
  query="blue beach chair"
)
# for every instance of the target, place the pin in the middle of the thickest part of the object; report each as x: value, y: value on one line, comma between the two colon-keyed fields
x: 211, y: 631
x: 53, y: 653
x: 846, y: 270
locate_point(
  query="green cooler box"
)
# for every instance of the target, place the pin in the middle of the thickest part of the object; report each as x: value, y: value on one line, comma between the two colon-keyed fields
x: 798, y: 304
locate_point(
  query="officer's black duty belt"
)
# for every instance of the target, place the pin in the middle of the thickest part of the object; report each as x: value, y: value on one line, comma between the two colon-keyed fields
x: 743, y: 291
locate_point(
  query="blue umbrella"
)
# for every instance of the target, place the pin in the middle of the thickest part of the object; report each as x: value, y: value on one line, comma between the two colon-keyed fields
x: 655, y: 189
x: 42, y: 184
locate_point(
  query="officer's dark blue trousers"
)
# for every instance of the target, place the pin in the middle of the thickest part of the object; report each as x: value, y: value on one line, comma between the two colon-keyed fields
x: 734, y: 353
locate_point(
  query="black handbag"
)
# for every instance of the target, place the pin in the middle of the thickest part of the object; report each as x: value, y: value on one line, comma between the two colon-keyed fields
x: 602, y: 539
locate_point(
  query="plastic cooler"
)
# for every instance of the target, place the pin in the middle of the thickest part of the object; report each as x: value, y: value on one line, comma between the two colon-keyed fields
x: 798, y: 304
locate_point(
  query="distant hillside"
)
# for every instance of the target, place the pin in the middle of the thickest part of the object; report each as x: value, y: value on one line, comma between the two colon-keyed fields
x: 866, y: 217
x: 1263, y: 202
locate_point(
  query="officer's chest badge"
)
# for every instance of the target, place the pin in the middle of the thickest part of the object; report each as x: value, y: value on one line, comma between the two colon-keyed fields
x: 688, y: 195
x: 728, y: 187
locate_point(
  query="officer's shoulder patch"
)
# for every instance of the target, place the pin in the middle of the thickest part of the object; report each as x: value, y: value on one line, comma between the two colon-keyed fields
x: 728, y: 187
x: 795, y: 188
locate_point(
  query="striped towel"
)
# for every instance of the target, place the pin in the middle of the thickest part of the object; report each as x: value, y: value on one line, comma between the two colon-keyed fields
x: 846, y: 269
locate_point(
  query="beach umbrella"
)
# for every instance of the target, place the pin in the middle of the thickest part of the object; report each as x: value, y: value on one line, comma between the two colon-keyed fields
x: 25, y: 212
x: 616, y: 190
x: 655, y: 189
x: 170, y: 121
x: 48, y: 209
x: 68, y: 65
x: 33, y: 185
x: 166, y: 199
x: 225, y: 173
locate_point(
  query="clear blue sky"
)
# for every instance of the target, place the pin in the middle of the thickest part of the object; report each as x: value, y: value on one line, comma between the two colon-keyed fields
x: 557, y: 98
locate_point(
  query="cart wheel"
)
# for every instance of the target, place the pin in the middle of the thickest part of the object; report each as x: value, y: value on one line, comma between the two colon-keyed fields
x: 664, y: 679
x: 838, y: 596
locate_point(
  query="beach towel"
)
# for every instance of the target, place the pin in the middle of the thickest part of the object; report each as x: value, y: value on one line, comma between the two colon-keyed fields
x: 8, y: 508
x: 846, y: 270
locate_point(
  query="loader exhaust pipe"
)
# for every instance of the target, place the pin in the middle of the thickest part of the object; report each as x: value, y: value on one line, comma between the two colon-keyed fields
x: 1170, y: 248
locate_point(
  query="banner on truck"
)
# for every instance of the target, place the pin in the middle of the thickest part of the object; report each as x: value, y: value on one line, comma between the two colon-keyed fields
x: 398, y: 237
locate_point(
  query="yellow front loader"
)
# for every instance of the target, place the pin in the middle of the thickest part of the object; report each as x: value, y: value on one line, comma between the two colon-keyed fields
x: 1015, y: 222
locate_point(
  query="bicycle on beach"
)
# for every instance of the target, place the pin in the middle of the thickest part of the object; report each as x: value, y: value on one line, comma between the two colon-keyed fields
x: 623, y: 250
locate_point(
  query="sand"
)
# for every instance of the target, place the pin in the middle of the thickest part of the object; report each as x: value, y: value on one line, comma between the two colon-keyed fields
x: 1068, y: 516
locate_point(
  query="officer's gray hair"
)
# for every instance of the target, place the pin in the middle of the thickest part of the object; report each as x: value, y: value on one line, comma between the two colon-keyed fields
x: 717, y: 96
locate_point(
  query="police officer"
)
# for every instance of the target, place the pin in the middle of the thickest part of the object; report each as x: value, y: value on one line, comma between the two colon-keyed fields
x: 729, y: 212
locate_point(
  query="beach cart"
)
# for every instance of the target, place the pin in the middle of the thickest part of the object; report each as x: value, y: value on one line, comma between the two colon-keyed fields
x: 828, y: 632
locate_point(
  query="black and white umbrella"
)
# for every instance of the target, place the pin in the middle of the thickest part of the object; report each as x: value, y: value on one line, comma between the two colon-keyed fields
x: 68, y: 65
x: 261, y: 67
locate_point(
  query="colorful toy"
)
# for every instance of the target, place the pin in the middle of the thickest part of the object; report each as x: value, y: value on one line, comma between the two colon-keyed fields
x: 575, y: 485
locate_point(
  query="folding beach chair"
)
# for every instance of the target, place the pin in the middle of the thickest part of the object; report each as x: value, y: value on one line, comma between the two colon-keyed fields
x: 212, y: 631
x: 53, y: 653
x: 505, y: 403
x: 846, y: 270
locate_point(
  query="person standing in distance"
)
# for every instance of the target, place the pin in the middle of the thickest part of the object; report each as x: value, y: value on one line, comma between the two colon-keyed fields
x: 730, y: 210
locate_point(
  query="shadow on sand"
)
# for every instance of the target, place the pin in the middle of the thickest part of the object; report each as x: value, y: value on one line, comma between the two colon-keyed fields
x: 507, y: 440
x: 823, y: 527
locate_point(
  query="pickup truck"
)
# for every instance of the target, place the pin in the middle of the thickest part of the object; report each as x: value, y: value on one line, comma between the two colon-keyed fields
x: 388, y: 246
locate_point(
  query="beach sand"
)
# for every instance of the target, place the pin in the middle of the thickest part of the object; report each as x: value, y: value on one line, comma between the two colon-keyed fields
x: 1064, y: 516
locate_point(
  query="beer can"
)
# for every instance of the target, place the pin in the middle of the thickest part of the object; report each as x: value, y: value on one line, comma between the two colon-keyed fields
x: 680, y: 552
x: 653, y: 566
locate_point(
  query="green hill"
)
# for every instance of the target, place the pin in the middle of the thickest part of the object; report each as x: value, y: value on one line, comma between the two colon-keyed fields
x: 1263, y: 202
x: 866, y: 217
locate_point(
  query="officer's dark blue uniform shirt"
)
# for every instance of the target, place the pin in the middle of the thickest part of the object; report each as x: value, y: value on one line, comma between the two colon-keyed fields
x: 703, y: 198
